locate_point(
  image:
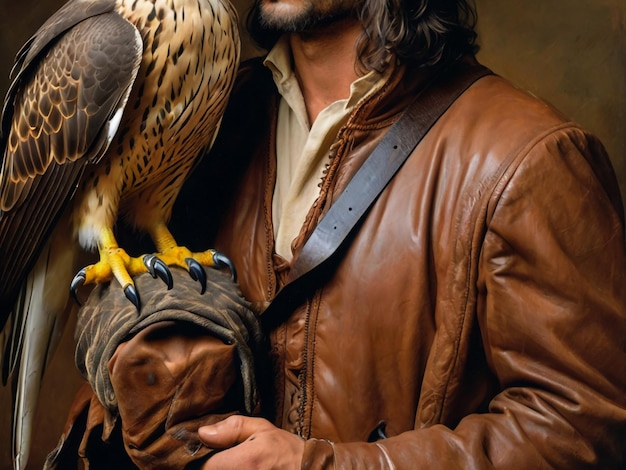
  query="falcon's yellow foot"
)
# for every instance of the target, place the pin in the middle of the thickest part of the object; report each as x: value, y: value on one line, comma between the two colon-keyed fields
x: 172, y: 254
x: 183, y: 257
x: 116, y: 263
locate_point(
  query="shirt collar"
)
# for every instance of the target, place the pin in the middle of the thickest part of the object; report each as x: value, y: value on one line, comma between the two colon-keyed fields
x: 280, y: 63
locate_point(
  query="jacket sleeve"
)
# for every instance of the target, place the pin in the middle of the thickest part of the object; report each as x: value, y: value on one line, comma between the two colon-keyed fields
x: 551, y: 307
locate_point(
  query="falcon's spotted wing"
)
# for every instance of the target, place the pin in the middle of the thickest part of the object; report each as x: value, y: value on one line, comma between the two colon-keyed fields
x: 61, y: 113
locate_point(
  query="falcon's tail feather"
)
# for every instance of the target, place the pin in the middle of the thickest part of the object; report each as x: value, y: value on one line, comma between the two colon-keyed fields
x: 44, y: 309
x: 13, y: 334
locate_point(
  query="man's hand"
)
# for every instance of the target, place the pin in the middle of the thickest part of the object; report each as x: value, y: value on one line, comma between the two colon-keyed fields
x: 251, y: 443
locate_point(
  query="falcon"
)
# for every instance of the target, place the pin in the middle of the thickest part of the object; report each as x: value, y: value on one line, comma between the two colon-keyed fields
x: 112, y: 103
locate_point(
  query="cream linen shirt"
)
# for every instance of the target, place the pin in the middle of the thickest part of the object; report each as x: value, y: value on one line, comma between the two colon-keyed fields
x: 302, y: 148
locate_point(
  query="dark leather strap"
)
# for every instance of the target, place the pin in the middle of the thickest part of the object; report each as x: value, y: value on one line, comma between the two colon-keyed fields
x: 369, y: 181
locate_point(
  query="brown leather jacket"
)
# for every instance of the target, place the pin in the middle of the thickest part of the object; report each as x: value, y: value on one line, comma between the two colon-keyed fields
x: 478, y: 315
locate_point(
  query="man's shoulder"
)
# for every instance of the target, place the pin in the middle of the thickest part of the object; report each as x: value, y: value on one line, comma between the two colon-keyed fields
x: 498, y: 120
x: 495, y: 101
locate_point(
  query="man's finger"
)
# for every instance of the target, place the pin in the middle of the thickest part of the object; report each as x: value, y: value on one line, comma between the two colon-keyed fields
x: 230, y: 431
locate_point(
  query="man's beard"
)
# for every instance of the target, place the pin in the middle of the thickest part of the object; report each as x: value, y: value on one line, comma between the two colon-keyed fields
x: 306, y: 19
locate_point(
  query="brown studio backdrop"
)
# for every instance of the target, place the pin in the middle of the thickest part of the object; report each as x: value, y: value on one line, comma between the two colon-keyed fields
x: 571, y: 53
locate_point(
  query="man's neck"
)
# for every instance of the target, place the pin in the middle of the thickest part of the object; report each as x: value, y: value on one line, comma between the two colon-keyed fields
x: 325, y: 64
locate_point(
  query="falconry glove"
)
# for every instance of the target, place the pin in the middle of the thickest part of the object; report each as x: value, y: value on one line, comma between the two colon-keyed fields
x: 183, y: 361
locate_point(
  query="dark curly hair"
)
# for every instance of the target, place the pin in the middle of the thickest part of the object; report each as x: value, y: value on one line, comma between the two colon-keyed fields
x: 417, y: 32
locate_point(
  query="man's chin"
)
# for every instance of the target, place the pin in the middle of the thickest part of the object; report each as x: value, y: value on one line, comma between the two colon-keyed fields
x: 283, y: 15
x: 297, y: 16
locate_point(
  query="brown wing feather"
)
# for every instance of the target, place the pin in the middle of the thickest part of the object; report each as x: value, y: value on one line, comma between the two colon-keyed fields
x: 69, y: 15
x: 60, y: 121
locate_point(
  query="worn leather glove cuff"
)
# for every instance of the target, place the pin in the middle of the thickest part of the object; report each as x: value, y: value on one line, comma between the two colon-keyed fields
x: 108, y: 319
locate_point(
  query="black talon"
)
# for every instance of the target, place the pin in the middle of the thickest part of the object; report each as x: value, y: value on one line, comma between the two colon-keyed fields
x: 131, y: 294
x: 197, y: 273
x: 148, y: 262
x: 222, y: 261
x: 77, y: 281
x: 157, y: 268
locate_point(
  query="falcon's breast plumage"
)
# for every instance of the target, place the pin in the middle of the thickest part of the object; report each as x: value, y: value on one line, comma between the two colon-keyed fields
x: 112, y: 103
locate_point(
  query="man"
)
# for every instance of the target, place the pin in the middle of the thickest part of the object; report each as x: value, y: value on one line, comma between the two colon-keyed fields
x: 475, y: 318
